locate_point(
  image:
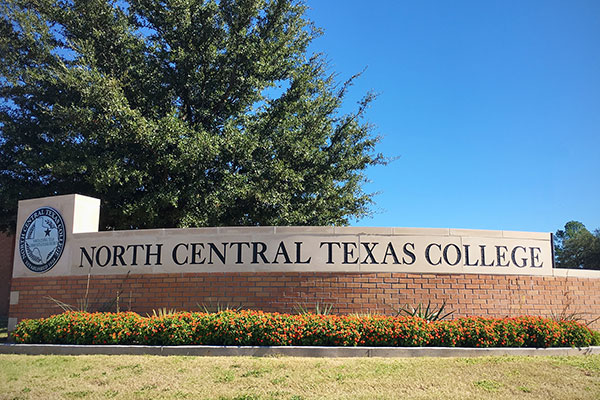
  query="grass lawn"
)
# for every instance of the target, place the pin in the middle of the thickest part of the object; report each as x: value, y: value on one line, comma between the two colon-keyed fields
x: 155, y: 377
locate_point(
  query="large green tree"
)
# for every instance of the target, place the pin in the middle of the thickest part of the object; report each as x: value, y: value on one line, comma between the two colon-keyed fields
x: 576, y: 247
x: 178, y: 113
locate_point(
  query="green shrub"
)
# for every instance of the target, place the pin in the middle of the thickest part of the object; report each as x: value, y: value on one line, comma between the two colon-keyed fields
x: 595, y: 338
x: 256, y: 328
x: 80, y: 328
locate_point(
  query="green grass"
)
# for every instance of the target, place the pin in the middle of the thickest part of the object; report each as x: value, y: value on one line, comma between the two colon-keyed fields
x: 228, y: 378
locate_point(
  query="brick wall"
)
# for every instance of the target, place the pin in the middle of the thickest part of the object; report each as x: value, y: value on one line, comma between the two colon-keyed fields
x: 7, y: 245
x: 465, y: 294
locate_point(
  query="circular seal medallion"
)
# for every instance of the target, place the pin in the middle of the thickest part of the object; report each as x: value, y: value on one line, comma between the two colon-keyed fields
x: 42, y: 239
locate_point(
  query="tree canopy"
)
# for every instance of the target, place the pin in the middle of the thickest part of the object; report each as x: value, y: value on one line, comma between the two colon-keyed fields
x: 178, y: 113
x: 576, y: 247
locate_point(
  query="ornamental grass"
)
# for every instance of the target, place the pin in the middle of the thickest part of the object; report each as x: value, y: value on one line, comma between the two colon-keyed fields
x: 257, y: 328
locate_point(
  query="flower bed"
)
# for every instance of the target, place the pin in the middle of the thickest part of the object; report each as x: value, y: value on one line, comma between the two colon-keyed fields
x: 255, y: 328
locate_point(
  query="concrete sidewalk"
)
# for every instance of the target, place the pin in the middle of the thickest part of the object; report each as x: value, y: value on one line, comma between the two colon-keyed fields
x: 291, y: 351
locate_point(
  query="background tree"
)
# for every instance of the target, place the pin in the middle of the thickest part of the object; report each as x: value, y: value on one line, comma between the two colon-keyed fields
x: 177, y: 113
x: 576, y: 247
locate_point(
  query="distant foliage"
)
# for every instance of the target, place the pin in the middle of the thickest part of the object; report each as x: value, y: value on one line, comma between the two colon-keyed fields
x: 255, y: 328
x: 178, y: 113
x: 576, y: 247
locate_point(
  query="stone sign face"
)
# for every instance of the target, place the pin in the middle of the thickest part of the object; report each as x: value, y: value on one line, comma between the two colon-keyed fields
x: 248, y: 249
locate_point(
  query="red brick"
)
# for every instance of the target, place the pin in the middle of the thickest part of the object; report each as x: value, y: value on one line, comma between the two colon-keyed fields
x: 486, y: 295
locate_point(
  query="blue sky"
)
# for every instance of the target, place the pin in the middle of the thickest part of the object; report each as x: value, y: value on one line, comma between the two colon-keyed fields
x: 492, y: 108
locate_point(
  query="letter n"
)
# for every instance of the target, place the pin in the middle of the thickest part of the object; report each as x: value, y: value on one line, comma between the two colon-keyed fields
x: 88, y: 257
